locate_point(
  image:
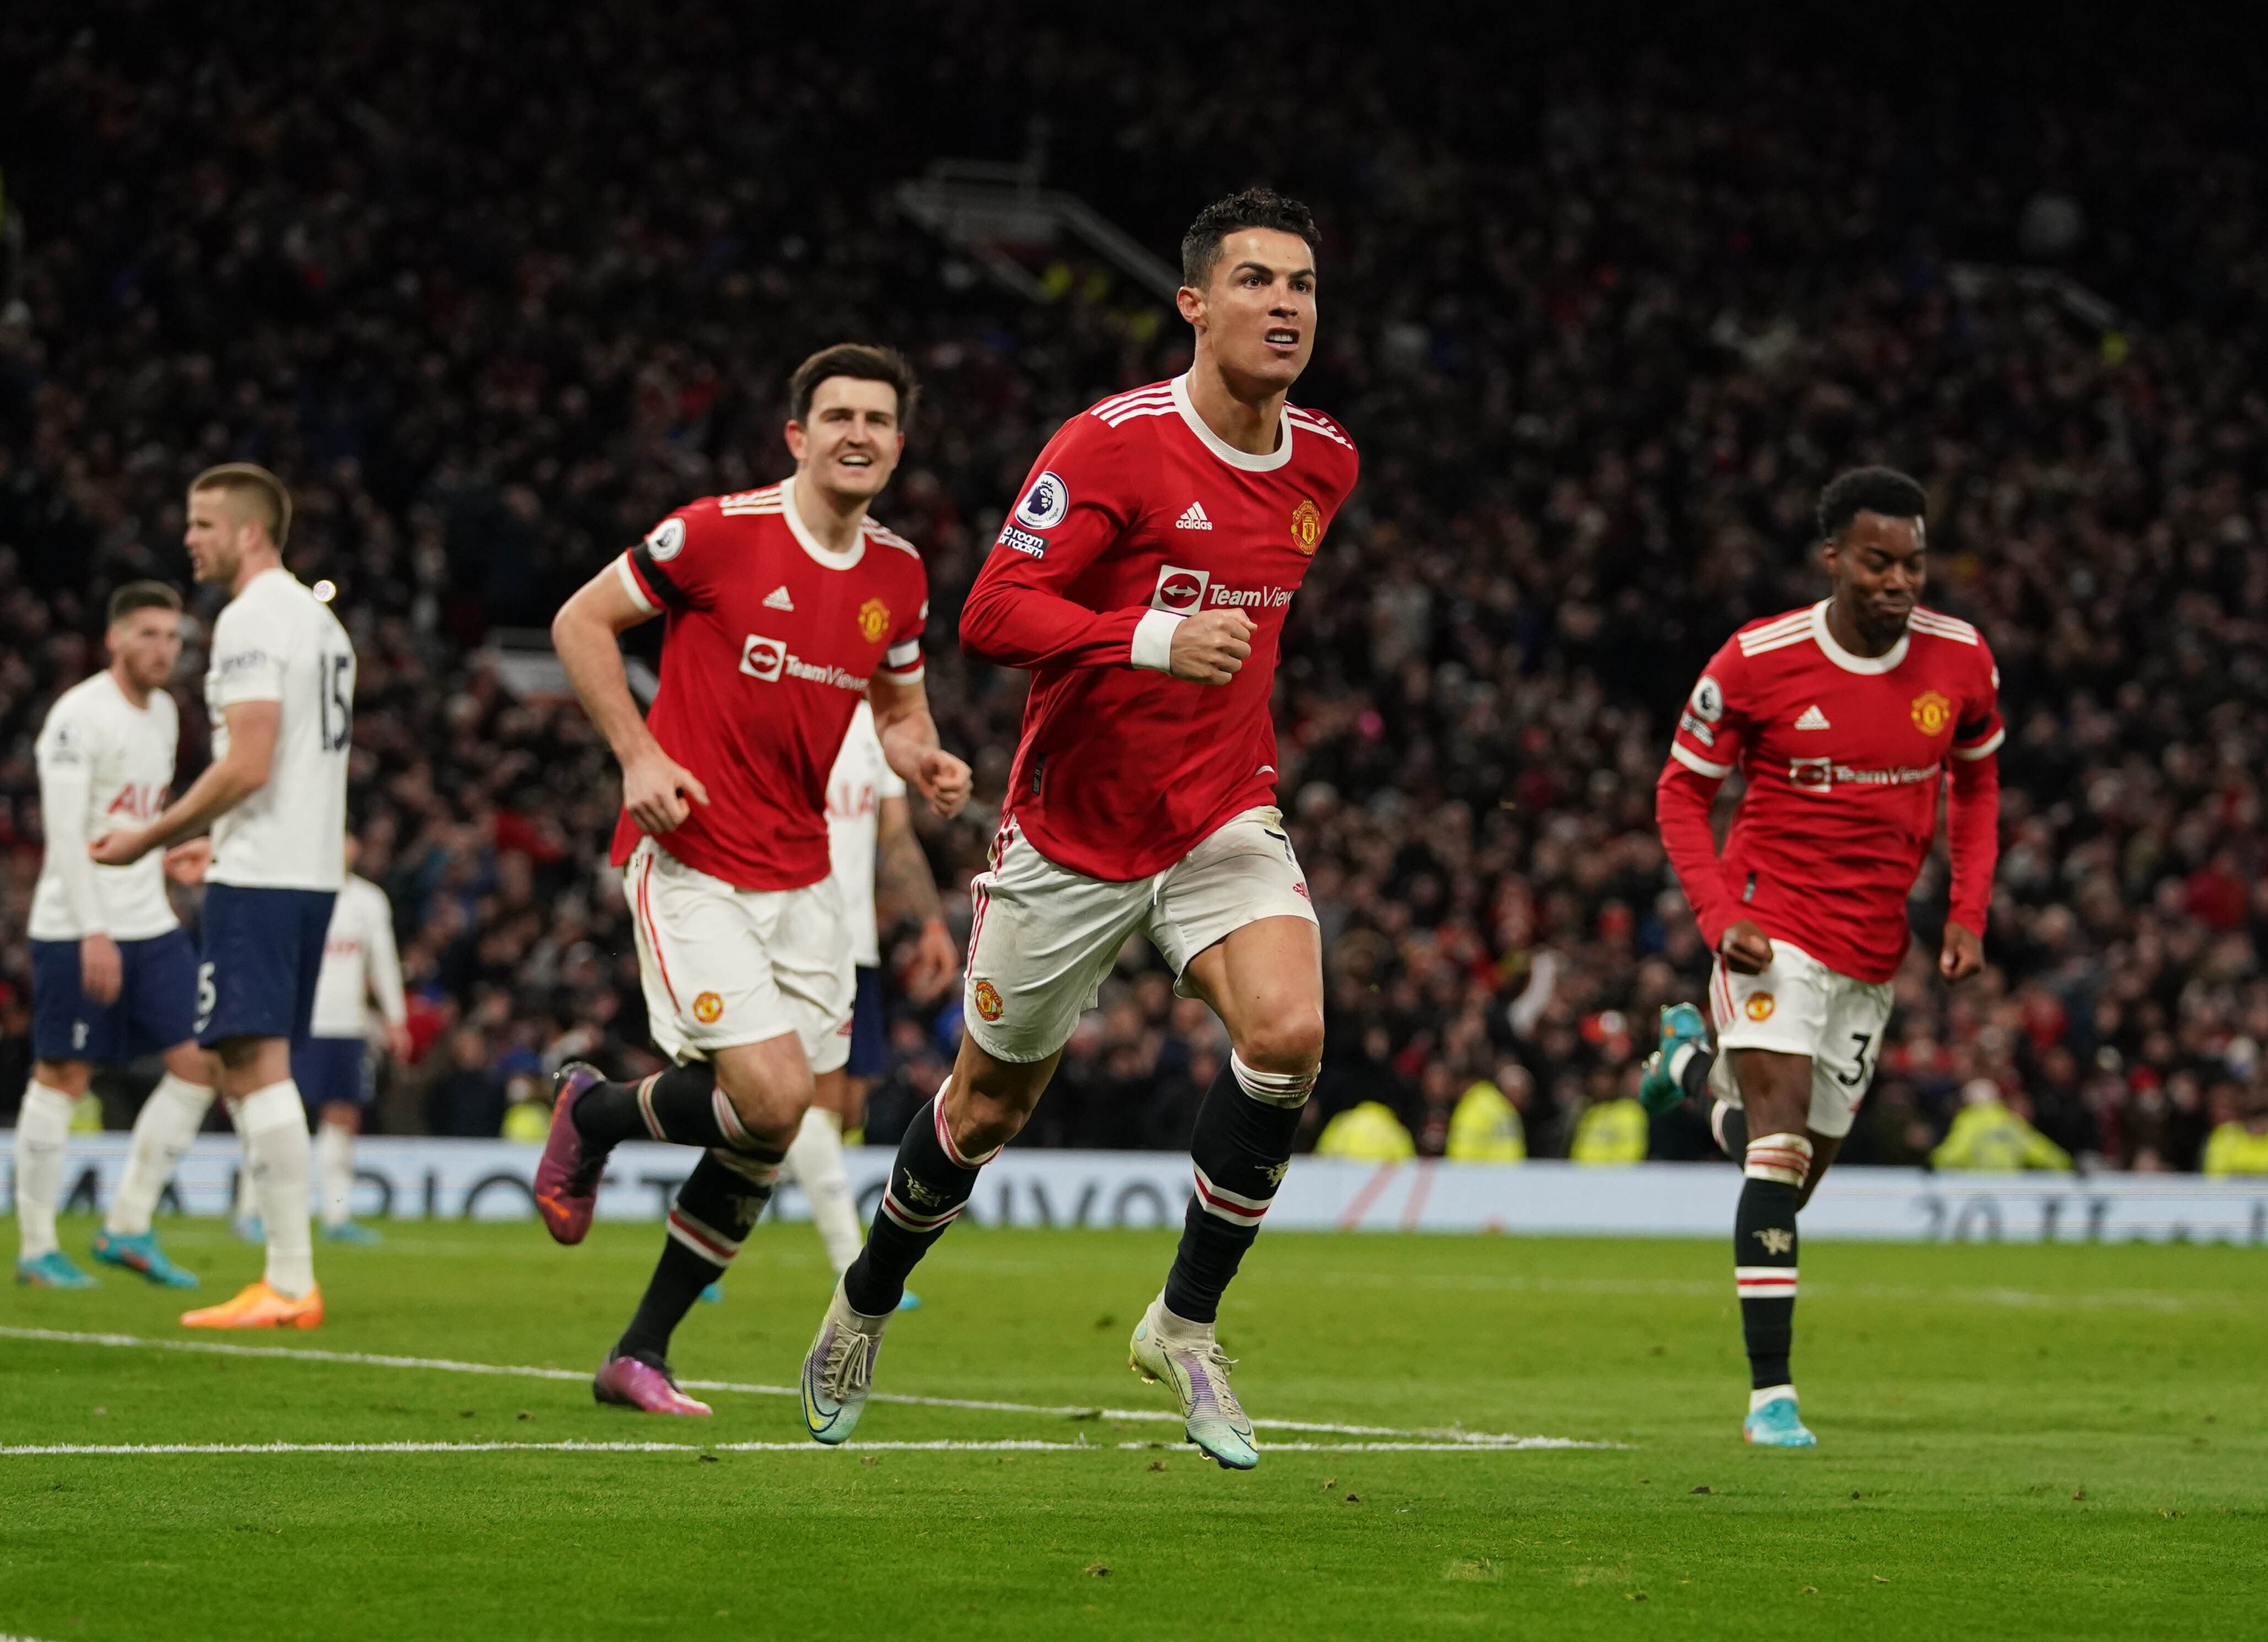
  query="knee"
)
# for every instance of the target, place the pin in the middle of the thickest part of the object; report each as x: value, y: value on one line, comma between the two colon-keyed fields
x: 770, y: 1100
x: 980, y: 1123
x: 1284, y: 1039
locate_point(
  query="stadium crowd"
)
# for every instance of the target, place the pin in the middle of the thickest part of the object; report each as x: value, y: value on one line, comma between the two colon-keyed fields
x: 495, y: 297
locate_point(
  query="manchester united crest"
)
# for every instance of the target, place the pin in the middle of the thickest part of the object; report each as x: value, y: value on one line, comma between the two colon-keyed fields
x: 874, y: 620
x: 1307, y: 526
x: 988, y: 1000
x: 1759, y: 1005
x: 1931, y: 713
x: 707, y: 1007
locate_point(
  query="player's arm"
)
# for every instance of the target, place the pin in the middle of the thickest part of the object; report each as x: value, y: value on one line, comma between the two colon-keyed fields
x: 66, y: 802
x: 1072, y: 509
x: 1972, y: 829
x: 658, y: 790
x: 254, y: 724
x: 906, y: 889
x: 383, y: 977
x: 909, y: 743
x: 1703, y: 753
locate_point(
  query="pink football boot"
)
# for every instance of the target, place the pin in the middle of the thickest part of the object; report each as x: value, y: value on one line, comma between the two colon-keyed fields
x: 630, y: 1383
x: 567, y: 1179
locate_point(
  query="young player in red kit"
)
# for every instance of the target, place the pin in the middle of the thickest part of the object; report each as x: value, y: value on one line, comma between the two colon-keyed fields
x: 786, y: 606
x: 1144, y: 578
x: 1843, y: 719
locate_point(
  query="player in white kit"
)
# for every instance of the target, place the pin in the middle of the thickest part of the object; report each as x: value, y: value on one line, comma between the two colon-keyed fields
x: 113, y: 975
x: 280, y: 688
x: 332, y: 1067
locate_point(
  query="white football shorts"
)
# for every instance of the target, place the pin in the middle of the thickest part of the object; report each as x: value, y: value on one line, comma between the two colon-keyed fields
x: 1044, y: 936
x: 723, y: 966
x: 1800, y: 1007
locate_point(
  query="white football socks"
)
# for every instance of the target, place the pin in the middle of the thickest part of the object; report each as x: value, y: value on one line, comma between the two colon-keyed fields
x: 168, y: 1121
x: 41, y: 1128
x: 1770, y: 1394
x: 815, y: 1157
x: 275, y: 1126
x: 335, y: 1171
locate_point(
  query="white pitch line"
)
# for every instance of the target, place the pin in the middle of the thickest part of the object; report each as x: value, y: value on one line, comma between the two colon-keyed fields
x: 1006, y: 1446
x: 1454, y: 1437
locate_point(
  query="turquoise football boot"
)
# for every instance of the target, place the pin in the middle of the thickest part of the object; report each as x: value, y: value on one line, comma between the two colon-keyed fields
x: 53, y: 1271
x: 141, y: 1254
x: 1681, y: 1024
x: 1778, y: 1425
x: 352, y: 1234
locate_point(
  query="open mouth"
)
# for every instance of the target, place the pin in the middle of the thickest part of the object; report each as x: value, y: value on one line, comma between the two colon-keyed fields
x: 1281, y: 337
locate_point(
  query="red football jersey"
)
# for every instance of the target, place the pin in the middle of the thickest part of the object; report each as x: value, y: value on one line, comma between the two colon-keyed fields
x: 771, y: 640
x: 1136, y: 516
x: 1844, y: 755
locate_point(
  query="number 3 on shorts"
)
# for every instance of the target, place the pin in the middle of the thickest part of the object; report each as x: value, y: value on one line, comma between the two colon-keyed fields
x: 208, y: 995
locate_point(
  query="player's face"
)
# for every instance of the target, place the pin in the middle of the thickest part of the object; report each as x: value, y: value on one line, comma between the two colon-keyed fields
x: 146, y: 644
x: 1879, y: 564
x: 216, y: 535
x: 850, y: 441
x: 1256, y: 315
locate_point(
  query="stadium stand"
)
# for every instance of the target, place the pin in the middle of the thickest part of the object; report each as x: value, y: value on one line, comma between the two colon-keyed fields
x: 1602, y: 334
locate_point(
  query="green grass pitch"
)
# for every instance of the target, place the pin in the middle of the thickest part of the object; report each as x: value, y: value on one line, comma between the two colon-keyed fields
x: 2015, y: 1442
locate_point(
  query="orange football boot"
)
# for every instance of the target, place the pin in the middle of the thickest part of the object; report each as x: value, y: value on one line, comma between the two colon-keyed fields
x: 260, y: 1307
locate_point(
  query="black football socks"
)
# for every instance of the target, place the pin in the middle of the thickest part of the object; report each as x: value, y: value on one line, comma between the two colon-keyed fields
x: 1763, y: 1253
x: 1243, y: 1140
x: 682, y: 1105
x: 715, y: 1208
x: 930, y: 1185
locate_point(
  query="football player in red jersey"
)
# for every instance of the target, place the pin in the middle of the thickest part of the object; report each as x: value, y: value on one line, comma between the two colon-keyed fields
x: 786, y: 606
x: 1143, y: 578
x: 1843, y: 719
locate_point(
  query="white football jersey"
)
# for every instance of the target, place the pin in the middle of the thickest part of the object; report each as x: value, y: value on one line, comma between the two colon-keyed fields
x: 277, y: 642
x: 860, y: 780
x: 359, y: 958
x: 104, y: 763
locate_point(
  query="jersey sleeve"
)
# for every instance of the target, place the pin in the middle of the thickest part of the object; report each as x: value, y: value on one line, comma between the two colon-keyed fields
x: 65, y: 763
x: 1978, y: 732
x: 1078, y: 501
x: 248, y: 658
x: 901, y: 662
x: 1711, y: 726
x: 677, y: 566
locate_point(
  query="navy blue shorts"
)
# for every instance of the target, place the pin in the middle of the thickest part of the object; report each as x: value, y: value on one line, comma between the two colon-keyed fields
x: 263, y: 952
x: 156, y: 1007
x: 332, y: 1071
x: 869, y: 1052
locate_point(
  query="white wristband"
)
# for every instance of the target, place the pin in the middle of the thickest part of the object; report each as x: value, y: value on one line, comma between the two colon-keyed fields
x: 1154, y: 641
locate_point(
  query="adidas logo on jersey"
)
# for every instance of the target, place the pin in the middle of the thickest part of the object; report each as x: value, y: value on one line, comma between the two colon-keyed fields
x: 1194, y: 519
x: 1812, y: 718
x: 777, y: 599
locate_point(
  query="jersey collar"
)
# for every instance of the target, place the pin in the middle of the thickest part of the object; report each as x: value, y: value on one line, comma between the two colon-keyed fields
x: 1221, y: 447
x: 811, y: 544
x: 1886, y: 662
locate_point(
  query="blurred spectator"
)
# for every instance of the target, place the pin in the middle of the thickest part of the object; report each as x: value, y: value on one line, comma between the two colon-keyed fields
x: 1366, y: 1132
x: 2239, y: 1144
x: 466, y: 1096
x: 1989, y: 1134
x: 1485, y: 1128
x: 1612, y: 1129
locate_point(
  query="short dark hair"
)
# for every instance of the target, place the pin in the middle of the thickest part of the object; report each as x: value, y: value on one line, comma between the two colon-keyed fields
x: 1883, y: 490
x: 865, y: 361
x: 142, y: 596
x: 251, y: 479
x: 1255, y: 208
